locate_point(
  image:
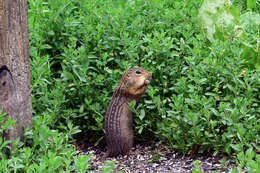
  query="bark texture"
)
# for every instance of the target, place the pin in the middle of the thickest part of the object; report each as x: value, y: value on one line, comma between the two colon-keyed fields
x: 15, y: 91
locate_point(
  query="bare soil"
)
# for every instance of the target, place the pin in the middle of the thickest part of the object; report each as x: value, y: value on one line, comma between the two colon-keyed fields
x: 154, y: 157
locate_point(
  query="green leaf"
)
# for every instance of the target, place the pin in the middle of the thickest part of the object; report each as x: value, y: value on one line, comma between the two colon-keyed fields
x: 142, y: 114
x: 251, y: 4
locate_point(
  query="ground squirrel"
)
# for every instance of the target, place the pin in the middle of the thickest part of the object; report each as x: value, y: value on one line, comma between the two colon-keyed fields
x: 118, y: 120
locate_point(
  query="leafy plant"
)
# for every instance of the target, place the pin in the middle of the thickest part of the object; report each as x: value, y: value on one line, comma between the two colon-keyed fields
x: 81, y: 163
x: 204, y: 95
x: 196, y: 168
x: 248, y: 161
x: 44, y: 149
x: 223, y: 20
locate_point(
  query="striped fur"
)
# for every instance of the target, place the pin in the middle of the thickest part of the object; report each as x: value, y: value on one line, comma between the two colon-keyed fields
x: 118, y: 120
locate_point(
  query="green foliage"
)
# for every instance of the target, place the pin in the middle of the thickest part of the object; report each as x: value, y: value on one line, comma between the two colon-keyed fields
x: 223, y: 20
x: 43, y: 149
x: 81, y: 163
x: 6, y: 123
x: 217, y: 104
x: 196, y: 168
x: 248, y: 162
x: 108, y: 168
x: 203, y: 95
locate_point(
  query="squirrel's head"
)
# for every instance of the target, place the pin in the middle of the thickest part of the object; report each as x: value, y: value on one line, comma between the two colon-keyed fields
x: 135, y: 81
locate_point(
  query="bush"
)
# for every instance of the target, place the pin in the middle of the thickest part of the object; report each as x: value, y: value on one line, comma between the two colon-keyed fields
x: 218, y: 105
x: 43, y: 149
x: 224, y: 20
x: 203, y: 96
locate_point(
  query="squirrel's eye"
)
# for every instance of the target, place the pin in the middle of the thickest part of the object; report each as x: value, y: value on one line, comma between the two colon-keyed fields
x: 138, y: 72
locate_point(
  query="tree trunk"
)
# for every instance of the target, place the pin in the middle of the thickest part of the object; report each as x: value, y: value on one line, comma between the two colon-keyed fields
x: 15, y: 91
